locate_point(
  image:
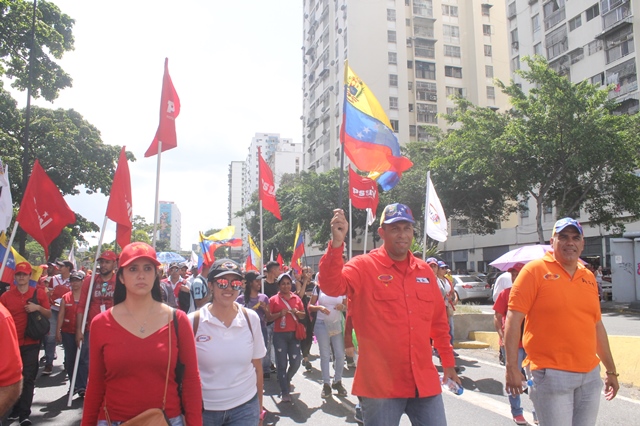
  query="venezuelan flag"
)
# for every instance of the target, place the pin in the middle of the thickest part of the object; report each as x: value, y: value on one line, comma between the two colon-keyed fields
x: 298, y: 250
x: 14, y: 259
x: 367, y: 135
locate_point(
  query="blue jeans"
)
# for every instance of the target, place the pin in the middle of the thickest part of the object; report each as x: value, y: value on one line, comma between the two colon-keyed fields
x: 387, y: 411
x: 287, y: 346
x: 566, y: 398
x: 514, y: 401
x: 266, y: 360
x: 269, y: 345
x: 175, y: 421
x: 324, y: 344
x: 247, y: 414
x: 50, y: 339
x: 83, y: 364
x: 451, y: 329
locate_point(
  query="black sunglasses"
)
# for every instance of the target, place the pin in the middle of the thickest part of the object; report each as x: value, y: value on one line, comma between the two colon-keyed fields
x: 223, y: 284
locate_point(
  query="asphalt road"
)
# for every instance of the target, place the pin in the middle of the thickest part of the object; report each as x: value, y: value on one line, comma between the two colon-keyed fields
x: 483, y: 402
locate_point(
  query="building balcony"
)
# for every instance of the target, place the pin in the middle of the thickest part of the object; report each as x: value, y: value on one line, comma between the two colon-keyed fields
x: 615, y: 19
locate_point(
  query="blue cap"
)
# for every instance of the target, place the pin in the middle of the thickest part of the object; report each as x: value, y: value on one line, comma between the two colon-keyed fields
x: 396, y: 213
x: 441, y: 264
x: 431, y: 260
x: 563, y: 223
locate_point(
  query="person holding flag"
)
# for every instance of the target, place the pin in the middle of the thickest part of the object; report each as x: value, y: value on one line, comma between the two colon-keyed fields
x: 19, y: 302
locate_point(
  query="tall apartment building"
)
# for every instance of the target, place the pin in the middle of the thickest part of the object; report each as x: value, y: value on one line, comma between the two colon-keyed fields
x: 170, y: 224
x: 236, y: 202
x: 590, y: 40
x: 413, y: 54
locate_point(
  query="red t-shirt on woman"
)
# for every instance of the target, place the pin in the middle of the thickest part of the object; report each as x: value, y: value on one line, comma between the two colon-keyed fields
x: 276, y: 305
x: 70, y: 310
x: 129, y: 372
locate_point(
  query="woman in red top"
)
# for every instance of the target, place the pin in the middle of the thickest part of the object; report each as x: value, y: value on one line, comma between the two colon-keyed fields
x: 130, y: 349
x: 286, y: 308
x: 66, y: 329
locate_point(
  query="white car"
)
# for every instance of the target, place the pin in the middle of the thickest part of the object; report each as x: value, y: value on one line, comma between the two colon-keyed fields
x: 469, y: 287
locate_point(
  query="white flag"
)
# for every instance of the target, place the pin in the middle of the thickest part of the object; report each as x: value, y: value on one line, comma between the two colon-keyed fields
x: 371, y: 216
x: 193, y: 260
x: 6, y: 204
x: 72, y: 258
x: 434, y: 218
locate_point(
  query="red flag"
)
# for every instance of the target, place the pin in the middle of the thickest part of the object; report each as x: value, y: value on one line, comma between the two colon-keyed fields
x: 43, y: 212
x: 280, y: 262
x: 248, y: 265
x: 267, y: 190
x: 119, y: 208
x: 169, y: 110
x: 363, y: 192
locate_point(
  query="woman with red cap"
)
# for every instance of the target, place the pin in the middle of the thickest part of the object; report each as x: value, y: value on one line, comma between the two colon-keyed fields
x: 131, y: 346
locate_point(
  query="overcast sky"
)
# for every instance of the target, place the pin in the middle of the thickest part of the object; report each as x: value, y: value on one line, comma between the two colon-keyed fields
x: 236, y: 66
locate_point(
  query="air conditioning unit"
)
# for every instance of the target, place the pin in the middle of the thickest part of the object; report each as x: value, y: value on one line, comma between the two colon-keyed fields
x: 432, y: 97
x: 515, y: 45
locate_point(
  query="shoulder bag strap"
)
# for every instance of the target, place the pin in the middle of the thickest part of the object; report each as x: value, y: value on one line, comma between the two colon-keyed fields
x: 34, y: 299
x: 246, y: 317
x: 166, y: 381
x: 289, y: 307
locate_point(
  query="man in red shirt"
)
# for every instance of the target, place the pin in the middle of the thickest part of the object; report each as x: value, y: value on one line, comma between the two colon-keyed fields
x: 101, y: 299
x: 11, y: 365
x: 18, y: 301
x: 396, y: 307
x: 58, y: 286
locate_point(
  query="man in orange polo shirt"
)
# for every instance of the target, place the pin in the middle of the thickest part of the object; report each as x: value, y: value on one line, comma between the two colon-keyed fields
x: 564, y: 337
x: 396, y: 307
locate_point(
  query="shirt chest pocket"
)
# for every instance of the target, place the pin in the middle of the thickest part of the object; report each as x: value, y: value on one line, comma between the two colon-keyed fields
x: 385, y: 301
x: 426, y: 301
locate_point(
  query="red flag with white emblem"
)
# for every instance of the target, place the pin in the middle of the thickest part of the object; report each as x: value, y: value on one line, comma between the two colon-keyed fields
x: 119, y: 208
x: 169, y: 111
x: 43, y: 212
x: 267, y: 190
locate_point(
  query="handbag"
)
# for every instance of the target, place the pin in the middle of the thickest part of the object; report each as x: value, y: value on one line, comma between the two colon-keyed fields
x: 152, y: 416
x: 301, y: 330
x: 37, y: 325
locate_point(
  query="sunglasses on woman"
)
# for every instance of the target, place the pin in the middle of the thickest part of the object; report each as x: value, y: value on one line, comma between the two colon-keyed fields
x: 223, y: 284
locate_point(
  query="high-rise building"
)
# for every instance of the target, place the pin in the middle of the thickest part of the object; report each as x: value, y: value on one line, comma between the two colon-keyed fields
x: 413, y: 54
x: 170, y: 224
x: 236, y: 194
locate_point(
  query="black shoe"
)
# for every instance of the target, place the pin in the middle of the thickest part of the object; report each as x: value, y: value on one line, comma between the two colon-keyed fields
x: 308, y: 366
x: 326, y: 391
x: 25, y: 422
x: 358, y: 416
x: 12, y: 418
x: 266, y: 375
x: 341, y: 390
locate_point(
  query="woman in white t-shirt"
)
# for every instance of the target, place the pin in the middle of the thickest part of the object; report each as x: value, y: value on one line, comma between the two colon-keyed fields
x: 230, y: 349
x: 329, y: 332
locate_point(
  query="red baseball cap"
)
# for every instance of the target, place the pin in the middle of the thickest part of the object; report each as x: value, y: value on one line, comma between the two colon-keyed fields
x: 135, y: 251
x: 108, y: 255
x: 23, y: 268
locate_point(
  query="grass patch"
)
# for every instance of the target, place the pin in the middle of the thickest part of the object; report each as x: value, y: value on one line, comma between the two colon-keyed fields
x: 467, y: 309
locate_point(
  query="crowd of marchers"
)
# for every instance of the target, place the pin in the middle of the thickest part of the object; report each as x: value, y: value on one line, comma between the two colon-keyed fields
x: 194, y: 347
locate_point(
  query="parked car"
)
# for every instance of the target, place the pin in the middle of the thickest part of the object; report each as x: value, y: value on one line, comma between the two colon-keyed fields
x: 607, y: 288
x: 469, y: 287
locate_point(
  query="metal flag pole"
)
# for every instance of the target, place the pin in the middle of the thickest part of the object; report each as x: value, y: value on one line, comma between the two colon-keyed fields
x: 156, y: 215
x: 366, y: 231
x: 426, y: 218
x: 86, y: 312
x: 350, y: 238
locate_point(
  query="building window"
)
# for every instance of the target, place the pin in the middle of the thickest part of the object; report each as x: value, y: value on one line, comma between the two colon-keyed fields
x: 410, y: 85
x: 393, y: 102
x: 427, y: 113
x: 486, y: 29
x: 487, y: 50
x: 412, y: 130
x: 394, y: 125
x: 393, y: 80
x: 393, y: 57
x: 491, y: 92
x: 488, y: 71
x: 592, y: 12
x: 575, y: 23
x: 515, y: 63
x: 425, y: 70
x: 410, y: 107
x: 554, y: 13
x: 556, y: 42
x: 391, y: 15
x: 426, y: 91
x: 391, y: 36
x: 486, y: 10
x: 455, y: 72
x: 407, y: 22
x: 619, y: 44
x: 594, y: 46
x: 455, y: 91
x: 537, y: 49
x: 511, y: 10
x: 410, y: 65
x: 449, y: 10
x: 597, y: 79
x: 452, y: 51
x: 535, y: 24
x: 450, y: 110
x: 451, y: 33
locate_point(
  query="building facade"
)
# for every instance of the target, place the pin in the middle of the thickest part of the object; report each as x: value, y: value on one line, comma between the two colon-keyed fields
x: 170, y: 225
x: 236, y: 202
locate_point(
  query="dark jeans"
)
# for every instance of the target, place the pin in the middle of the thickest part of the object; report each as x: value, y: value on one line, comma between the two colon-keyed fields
x: 30, y: 365
x: 70, y: 351
x: 83, y: 364
x: 50, y: 339
x: 286, y: 346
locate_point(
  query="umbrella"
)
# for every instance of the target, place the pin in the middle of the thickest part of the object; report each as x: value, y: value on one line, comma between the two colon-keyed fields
x: 522, y: 254
x: 168, y: 257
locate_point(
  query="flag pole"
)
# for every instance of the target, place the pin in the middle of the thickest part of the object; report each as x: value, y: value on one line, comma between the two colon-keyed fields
x: 426, y: 216
x: 261, y: 245
x: 8, y: 250
x: 342, y: 130
x: 366, y: 231
x: 156, y: 213
x: 350, y: 239
x: 86, y: 312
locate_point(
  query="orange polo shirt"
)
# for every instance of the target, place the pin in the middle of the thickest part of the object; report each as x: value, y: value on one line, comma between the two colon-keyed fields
x: 561, y: 315
x: 395, y: 309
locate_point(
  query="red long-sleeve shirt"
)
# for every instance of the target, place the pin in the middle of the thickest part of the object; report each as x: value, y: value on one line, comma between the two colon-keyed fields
x: 395, y: 312
x: 129, y: 372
